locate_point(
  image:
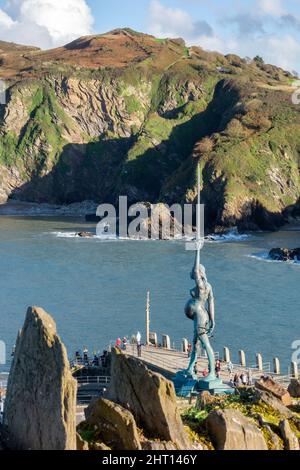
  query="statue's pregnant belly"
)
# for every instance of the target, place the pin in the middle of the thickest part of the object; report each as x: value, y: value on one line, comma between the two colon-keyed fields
x: 195, y: 309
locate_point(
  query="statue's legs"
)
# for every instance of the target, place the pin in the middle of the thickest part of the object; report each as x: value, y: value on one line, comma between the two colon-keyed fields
x: 193, y: 360
x: 204, y: 339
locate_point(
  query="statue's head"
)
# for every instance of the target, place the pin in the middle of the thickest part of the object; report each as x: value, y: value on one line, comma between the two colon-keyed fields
x: 202, y: 273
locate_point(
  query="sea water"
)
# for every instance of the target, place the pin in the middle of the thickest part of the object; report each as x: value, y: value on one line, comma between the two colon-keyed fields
x: 96, y: 289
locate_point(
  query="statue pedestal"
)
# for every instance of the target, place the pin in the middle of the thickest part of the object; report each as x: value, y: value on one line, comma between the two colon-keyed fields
x: 214, y: 386
x: 186, y: 385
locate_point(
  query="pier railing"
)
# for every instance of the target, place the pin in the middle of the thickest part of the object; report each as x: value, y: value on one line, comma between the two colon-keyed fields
x: 101, y: 380
x: 172, y: 361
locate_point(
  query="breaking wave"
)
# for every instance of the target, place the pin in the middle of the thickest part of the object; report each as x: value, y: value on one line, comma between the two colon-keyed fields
x: 265, y: 257
x: 232, y: 236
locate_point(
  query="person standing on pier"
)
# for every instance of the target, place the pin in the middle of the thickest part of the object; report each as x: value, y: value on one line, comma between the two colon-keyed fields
x: 139, y: 344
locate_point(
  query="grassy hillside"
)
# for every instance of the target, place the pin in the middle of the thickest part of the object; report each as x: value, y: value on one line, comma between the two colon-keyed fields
x: 127, y: 113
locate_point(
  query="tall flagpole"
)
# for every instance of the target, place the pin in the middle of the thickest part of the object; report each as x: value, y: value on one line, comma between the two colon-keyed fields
x: 199, y: 208
x: 148, y: 319
x: 199, y: 241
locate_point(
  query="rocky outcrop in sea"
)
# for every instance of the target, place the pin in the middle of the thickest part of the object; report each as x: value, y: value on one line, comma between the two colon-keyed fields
x: 285, y: 254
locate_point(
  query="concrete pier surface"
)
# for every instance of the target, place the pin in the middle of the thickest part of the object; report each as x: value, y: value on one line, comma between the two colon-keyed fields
x: 168, y: 362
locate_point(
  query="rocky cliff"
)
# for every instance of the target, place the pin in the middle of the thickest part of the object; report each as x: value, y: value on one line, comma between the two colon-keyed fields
x: 40, y: 405
x: 125, y: 113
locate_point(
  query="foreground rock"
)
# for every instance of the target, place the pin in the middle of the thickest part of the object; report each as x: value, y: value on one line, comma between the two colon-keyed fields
x: 272, y: 402
x: 113, y: 425
x: 81, y: 444
x: 290, y: 439
x: 274, y: 443
x: 270, y: 386
x: 159, y: 445
x: 285, y: 254
x: 230, y: 430
x: 40, y: 409
x: 294, y: 388
x: 150, y: 397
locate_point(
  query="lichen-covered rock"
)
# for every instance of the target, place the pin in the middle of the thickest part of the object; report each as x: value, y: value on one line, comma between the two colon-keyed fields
x: 294, y: 388
x: 273, y: 441
x: 268, y: 385
x: 150, y: 397
x: 98, y: 446
x: 80, y: 443
x: 40, y: 408
x: 230, y: 430
x: 113, y: 424
x: 272, y: 402
x: 291, y: 441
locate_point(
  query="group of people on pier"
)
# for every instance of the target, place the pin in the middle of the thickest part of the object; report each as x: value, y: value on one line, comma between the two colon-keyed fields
x: 97, y: 360
x: 122, y: 344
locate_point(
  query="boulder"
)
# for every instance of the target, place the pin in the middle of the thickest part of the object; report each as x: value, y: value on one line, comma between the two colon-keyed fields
x: 40, y: 407
x: 113, y: 424
x: 272, y: 402
x: 268, y: 385
x: 84, y: 235
x: 290, y: 439
x: 80, y: 443
x: 296, y: 254
x: 284, y: 254
x: 280, y: 254
x: 99, y: 446
x: 149, y: 396
x: 159, y: 445
x: 294, y: 388
x: 274, y: 442
x: 229, y: 429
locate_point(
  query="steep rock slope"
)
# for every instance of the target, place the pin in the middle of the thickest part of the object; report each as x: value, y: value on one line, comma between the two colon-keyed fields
x: 125, y: 113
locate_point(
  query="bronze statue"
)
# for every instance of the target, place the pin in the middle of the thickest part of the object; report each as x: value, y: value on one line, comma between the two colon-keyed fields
x: 200, y: 308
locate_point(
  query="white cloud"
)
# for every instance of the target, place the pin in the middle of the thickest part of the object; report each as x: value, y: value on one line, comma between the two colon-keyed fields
x: 5, y: 20
x: 45, y: 23
x: 244, y: 34
x: 271, y: 7
x: 171, y: 22
x: 280, y: 51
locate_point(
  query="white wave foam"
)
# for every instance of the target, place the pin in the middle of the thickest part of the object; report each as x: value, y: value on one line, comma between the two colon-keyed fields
x: 93, y: 237
x: 222, y: 238
x: 75, y: 235
x: 231, y: 236
x: 265, y: 257
x: 64, y: 234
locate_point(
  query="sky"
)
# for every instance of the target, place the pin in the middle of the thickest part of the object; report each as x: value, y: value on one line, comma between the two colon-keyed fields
x: 270, y: 28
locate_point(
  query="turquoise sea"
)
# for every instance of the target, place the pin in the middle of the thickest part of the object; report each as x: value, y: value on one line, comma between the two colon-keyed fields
x: 96, y: 289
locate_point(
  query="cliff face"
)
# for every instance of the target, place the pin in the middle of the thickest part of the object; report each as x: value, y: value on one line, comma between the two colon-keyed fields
x: 124, y: 113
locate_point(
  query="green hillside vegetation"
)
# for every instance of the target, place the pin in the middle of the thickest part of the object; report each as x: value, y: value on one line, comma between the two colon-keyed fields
x: 162, y: 111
